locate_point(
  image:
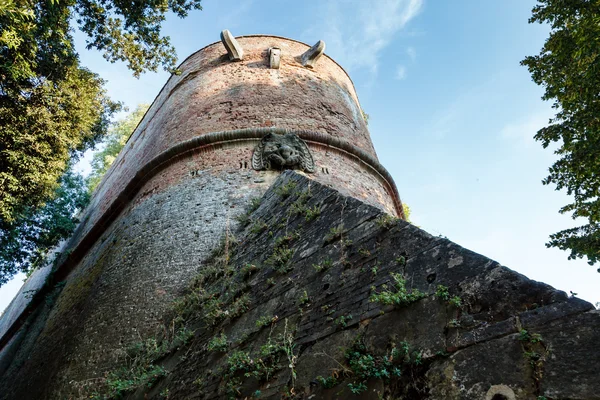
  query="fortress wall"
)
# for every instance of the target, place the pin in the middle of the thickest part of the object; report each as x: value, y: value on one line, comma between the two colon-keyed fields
x: 507, y: 337
x: 146, y: 234
x: 130, y: 276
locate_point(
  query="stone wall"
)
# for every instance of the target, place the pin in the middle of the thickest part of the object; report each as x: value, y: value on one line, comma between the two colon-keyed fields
x: 208, y: 120
x: 299, y: 295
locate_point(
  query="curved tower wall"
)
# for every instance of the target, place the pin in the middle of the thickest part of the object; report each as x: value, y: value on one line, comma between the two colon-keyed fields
x: 175, y: 190
x: 213, y: 94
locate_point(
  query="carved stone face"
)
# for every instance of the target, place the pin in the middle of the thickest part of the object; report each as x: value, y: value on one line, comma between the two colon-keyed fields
x: 282, y: 152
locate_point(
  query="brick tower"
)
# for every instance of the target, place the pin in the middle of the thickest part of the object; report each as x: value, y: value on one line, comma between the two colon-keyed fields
x: 218, y: 134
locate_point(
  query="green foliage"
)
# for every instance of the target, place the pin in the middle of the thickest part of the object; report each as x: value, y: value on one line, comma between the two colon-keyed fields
x: 334, y: 234
x: 141, y: 367
x: 324, y: 266
x: 248, y: 270
x: 218, y: 343
x: 43, y: 124
x: 365, y: 366
x: 118, y: 134
x: 286, y: 190
x: 442, y: 293
x: 568, y: 67
x: 26, y: 241
x: 242, y: 364
x: 525, y: 336
x: 357, y: 388
x: 265, y: 320
x: 304, y: 299
x: 50, y: 106
x: 407, y: 211
x: 386, y: 221
x: 399, y: 296
x: 342, y: 320
x: 328, y: 382
x: 282, y: 254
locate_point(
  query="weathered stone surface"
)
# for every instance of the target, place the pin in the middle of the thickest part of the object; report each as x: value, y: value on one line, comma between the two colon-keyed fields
x: 470, y: 373
x: 321, y: 300
x: 571, y: 367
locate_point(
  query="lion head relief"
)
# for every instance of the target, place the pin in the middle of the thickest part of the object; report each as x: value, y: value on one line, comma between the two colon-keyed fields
x: 282, y: 152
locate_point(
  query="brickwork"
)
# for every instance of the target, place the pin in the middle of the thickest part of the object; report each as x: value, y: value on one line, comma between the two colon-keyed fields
x: 170, y: 197
x: 213, y: 94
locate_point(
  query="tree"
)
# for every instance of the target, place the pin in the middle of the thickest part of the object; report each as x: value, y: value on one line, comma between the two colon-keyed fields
x: 25, y: 242
x: 50, y: 106
x: 118, y: 134
x: 568, y: 67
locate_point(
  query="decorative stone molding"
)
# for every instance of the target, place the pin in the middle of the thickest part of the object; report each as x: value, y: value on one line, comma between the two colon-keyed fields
x: 312, y: 55
x: 285, y: 151
x: 234, y: 50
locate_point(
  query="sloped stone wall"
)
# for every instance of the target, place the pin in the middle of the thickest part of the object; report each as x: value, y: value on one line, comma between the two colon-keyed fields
x: 296, y: 309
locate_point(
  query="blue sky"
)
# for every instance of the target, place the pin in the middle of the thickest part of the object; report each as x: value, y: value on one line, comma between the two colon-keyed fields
x: 452, y: 113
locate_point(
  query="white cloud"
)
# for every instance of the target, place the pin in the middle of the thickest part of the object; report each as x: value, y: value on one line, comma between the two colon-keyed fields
x: 400, y: 72
x: 357, y: 31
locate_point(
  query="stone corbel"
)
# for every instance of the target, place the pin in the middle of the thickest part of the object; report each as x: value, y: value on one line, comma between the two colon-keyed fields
x: 274, y: 57
x: 234, y: 50
x: 312, y: 55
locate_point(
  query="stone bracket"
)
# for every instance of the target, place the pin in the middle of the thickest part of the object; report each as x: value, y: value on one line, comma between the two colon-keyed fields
x: 234, y: 50
x: 312, y: 55
x: 274, y: 57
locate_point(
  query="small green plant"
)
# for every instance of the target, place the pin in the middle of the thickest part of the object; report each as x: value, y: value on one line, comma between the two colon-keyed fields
x: 218, y: 343
x: 271, y: 282
x: 304, y: 299
x: 328, y: 382
x: 254, y: 204
x: 342, y: 320
x: 454, y: 323
x: 364, y: 252
x: 365, y: 366
x: 357, y: 388
x: 263, y: 366
x: 312, y: 213
x: 399, y: 296
x: 248, y: 270
x: 442, y: 293
x: 374, y: 270
x: 243, y: 219
x: 455, y: 301
x: 401, y: 261
x: 258, y: 227
x: 286, y: 190
x: 280, y: 260
x: 334, y: 234
x: 265, y: 320
x: 525, y: 336
x: 386, y: 221
x: 239, y: 306
x: 324, y: 266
